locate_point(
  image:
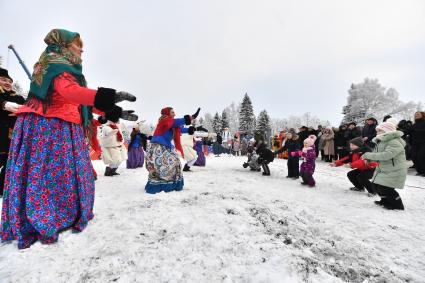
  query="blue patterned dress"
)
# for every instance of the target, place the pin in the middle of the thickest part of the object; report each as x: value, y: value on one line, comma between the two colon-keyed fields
x: 49, y: 181
x: 163, y: 163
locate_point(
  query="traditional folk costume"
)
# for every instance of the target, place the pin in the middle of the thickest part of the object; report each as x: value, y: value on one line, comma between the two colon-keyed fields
x: 162, y: 160
x: 49, y: 180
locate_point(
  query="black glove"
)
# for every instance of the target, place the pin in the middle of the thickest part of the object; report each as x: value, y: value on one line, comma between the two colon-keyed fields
x: 128, y: 115
x: 187, y: 120
x: 201, y: 129
x: 116, y: 113
x: 106, y: 98
x: 191, y: 130
x: 122, y: 95
x: 102, y: 120
x: 196, y: 113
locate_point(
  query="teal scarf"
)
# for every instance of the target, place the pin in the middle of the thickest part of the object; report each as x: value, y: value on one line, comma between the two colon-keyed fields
x: 55, y: 60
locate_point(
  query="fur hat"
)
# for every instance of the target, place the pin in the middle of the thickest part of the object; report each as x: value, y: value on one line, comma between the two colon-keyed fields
x: 388, y: 126
x: 357, y: 141
x: 5, y: 74
x: 310, y: 140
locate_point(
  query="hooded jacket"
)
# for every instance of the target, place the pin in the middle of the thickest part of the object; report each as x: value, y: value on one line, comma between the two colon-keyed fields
x: 389, y: 153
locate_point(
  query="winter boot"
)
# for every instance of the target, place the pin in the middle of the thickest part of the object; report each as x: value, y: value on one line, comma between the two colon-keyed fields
x: 245, y: 165
x: 357, y: 189
x: 380, y: 202
x: 114, y: 171
x: 186, y: 168
x: 108, y: 171
x: 394, y: 204
x: 266, y: 173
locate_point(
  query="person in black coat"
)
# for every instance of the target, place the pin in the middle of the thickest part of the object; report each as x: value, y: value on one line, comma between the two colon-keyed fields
x: 417, y: 139
x: 9, y: 104
x: 369, y: 132
x: 292, y: 144
x: 217, y: 145
x: 303, y: 133
x: 340, y: 142
x: 352, y: 132
x: 405, y: 126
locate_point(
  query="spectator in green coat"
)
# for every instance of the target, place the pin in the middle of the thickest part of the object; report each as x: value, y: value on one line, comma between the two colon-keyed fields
x: 392, y: 171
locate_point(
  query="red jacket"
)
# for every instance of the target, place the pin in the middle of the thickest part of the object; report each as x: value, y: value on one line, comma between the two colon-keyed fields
x: 357, y: 162
x: 67, y: 97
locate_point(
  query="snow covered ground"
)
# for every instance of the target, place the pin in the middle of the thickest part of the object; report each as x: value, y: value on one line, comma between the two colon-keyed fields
x: 233, y: 225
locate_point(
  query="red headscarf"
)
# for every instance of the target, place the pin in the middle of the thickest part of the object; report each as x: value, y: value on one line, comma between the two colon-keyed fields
x: 165, y: 123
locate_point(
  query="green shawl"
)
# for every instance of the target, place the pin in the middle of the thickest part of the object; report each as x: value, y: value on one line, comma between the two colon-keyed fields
x: 55, y: 60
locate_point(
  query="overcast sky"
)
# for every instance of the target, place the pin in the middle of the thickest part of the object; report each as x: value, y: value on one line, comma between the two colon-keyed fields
x: 291, y: 57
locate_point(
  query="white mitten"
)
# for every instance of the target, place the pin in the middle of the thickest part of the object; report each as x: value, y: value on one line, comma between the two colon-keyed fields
x: 11, y: 107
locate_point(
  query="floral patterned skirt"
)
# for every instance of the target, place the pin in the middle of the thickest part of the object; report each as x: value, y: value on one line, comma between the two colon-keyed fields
x: 49, y: 181
x: 164, y: 166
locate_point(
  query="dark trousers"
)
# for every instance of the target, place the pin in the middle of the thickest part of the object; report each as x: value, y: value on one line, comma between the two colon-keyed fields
x: 3, y: 162
x: 418, y: 157
x: 360, y: 179
x: 266, y: 169
x: 389, y: 197
x: 308, y: 178
x: 293, y: 167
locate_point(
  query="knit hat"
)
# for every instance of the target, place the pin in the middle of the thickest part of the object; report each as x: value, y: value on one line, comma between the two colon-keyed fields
x: 310, y: 140
x: 357, y: 141
x: 387, y: 127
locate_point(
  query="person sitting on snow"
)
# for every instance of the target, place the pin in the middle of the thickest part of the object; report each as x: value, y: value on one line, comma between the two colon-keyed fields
x: 265, y: 155
x: 362, y: 171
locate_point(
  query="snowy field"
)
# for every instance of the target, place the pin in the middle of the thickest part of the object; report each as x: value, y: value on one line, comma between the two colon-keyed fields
x: 233, y: 225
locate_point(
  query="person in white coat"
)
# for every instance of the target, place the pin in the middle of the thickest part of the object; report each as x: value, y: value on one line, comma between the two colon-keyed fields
x: 190, y: 154
x: 113, y: 149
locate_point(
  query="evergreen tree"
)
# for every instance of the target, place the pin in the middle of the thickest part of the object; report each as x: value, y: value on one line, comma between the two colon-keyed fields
x: 246, y: 115
x: 224, y: 120
x: 216, y: 123
x: 263, y: 122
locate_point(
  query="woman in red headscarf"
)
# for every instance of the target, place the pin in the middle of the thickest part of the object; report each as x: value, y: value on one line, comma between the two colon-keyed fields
x: 162, y: 160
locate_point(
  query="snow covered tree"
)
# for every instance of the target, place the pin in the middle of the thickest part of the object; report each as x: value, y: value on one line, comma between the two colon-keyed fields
x: 370, y: 99
x: 208, y: 122
x: 224, y: 120
x: 216, y: 123
x: 18, y: 89
x: 201, y: 121
x: 232, y: 112
x: 263, y: 122
x: 246, y: 115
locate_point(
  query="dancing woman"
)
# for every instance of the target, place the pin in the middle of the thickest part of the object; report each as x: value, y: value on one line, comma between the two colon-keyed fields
x: 49, y: 179
x: 162, y: 159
